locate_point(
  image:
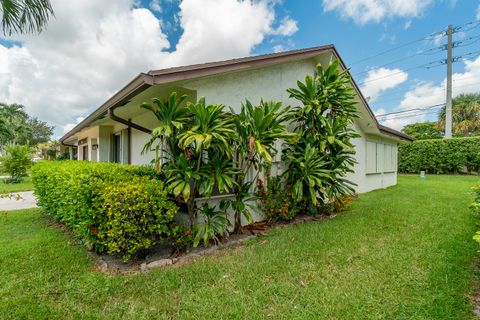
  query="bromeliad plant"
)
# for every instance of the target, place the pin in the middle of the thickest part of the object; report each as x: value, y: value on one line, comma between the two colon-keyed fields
x: 322, y: 156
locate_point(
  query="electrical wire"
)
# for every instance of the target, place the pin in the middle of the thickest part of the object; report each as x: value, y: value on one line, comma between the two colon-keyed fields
x: 411, y: 110
x: 443, y: 33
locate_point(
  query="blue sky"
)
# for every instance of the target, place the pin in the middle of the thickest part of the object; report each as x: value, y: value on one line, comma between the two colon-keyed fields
x: 125, y: 38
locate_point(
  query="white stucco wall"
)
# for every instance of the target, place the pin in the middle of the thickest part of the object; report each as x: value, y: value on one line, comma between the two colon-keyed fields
x: 269, y: 83
x: 366, y: 181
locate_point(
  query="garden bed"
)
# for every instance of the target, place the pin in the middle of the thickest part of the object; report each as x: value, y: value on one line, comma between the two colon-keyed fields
x: 164, y: 255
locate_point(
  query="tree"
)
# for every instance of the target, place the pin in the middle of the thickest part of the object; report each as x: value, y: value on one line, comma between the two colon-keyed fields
x: 18, y: 127
x: 24, y: 16
x: 39, y: 131
x: 465, y: 115
x: 423, y: 130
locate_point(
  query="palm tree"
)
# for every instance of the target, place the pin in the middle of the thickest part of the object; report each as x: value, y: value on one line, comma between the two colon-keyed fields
x: 465, y: 114
x: 24, y: 16
x: 13, y: 117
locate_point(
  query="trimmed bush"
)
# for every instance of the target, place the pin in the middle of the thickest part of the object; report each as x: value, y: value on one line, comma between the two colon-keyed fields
x: 454, y: 155
x: 117, y: 209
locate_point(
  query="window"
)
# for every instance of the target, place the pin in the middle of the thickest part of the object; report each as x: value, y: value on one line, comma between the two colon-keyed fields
x: 371, y: 157
x: 117, y: 148
x: 380, y: 157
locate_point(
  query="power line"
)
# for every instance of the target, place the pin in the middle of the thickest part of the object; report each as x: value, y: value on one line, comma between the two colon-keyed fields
x: 411, y: 110
x: 425, y: 65
x: 412, y: 115
x: 399, y: 47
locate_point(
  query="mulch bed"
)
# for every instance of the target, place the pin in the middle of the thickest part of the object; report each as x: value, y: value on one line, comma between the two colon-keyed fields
x: 162, y: 256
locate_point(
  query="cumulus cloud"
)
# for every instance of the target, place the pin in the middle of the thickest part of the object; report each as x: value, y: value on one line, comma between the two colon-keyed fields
x: 364, y: 11
x: 70, y: 126
x: 287, y: 27
x: 426, y: 94
x: 92, y: 48
x: 382, y: 79
x: 155, y: 6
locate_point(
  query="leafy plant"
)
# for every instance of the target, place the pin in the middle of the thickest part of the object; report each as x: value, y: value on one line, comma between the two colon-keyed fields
x: 197, y: 141
x: 182, y: 238
x: 172, y: 114
x: 440, y: 156
x: 115, y: 208
x: 257, y: 127
x: 276, y: 199
x: 213, y: 226
x: 16, y: 161
x: 135, y: 215
x: 323, y: 154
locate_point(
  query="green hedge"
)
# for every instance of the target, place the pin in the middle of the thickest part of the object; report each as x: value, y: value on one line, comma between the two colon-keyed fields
x: 456, y: 155
x: 117, y: 209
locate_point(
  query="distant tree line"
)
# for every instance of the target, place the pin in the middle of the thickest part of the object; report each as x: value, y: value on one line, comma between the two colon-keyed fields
x: 465, y: 118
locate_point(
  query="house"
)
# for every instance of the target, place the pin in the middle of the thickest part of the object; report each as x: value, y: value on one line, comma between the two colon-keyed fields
x: 118, y: 129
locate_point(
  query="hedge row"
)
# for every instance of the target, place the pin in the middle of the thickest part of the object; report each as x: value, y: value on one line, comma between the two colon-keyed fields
x: 456, y: 155
x: 117, y: 209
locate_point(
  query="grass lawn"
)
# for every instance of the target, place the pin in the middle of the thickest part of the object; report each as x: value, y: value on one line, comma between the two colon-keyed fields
x: 25, y: 185
x: 402, y: 253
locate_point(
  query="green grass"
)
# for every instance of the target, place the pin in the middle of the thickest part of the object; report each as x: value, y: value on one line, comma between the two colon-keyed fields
x: 24, y: 185
x: 401, y: 253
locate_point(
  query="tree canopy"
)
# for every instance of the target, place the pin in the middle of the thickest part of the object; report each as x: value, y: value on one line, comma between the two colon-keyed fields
x: 16, y: 126
x: 465, y: 115
x: 465, y: 120
x: 423, y: 130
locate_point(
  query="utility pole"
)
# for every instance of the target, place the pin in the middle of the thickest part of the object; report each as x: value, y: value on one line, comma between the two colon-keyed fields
x: 448, y: 106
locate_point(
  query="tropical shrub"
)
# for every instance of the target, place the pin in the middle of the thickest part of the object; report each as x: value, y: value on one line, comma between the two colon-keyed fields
x: 257, y: 128
x: 318, y: 161
x: 195, y: 140
x: 116, y: 209
x: 440, y: 156
x: 16, y: 161
x: 181, y: 237
x: 276, y: 199
x: 213, y: 225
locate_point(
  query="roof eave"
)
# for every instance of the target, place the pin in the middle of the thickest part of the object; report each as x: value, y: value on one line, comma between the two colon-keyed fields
x: 138, y: 84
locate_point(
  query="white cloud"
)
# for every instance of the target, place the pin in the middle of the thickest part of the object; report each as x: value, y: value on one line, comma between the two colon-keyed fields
x: 364, y: 11
x: 478, y: 12
x: 155, y: 6
x: 70, y: 126
x: 382, y: 79
x: 92, y: 48
x: 287, y: 27
x: 407, y: 25
x: 426, y: 94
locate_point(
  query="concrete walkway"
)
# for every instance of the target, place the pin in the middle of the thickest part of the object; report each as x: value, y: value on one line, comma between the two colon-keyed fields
x: 28, y: 201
